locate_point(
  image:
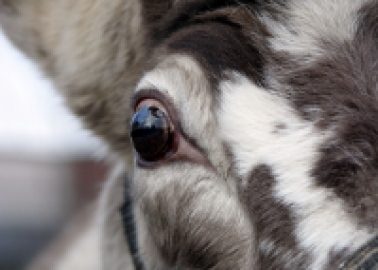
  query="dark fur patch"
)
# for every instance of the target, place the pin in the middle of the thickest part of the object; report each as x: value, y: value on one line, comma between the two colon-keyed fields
x: 220, y: 48
x: 279, y: 128
x: 274, y: 223
x: 339, y: 92
x: 8, y: 7
x: 182, y: 15
x: 153, y: 10
x: 221, y: 35
x: 335, y: 259
x: 185, y: 12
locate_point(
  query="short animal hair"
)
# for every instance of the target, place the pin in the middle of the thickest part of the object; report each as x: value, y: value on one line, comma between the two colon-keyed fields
x: 269, y: 152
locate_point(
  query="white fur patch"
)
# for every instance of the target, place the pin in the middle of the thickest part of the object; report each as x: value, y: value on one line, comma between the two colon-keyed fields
x: 248, y: 118
x: 312, y: 22
x: 182, y: 79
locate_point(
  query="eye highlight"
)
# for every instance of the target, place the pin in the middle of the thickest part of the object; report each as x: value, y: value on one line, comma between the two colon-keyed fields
x: 152, y: 131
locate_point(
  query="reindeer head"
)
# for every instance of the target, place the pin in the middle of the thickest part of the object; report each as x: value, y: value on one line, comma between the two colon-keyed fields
x: 253, y: 123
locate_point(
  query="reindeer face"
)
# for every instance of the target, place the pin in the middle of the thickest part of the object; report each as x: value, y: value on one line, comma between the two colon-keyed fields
x: 187, y: 197
x: 254, y: 130
x: 271, y: 152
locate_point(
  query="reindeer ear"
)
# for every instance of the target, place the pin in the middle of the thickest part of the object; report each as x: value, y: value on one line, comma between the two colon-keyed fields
x: 94, y: 51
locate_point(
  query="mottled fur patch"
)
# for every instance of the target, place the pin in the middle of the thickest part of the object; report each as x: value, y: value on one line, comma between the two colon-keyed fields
x: 186, y: 232
x: 275, y: 223
x: 318, y: 213
x: 338, y: 92
x: 278, y: 97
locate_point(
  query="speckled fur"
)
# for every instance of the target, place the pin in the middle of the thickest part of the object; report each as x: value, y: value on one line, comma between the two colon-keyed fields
x: 279, y: 97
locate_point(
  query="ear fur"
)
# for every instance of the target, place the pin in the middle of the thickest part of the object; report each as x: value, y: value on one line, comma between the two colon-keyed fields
x: 94, y: 51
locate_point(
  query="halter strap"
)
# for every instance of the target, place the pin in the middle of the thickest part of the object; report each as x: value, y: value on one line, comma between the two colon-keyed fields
x: 366, y: 258
x: 129, y: 226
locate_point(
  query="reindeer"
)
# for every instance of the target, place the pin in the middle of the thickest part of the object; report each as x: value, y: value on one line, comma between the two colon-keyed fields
x: 245, y: 132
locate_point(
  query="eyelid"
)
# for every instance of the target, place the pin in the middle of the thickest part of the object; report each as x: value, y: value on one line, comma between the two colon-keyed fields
x: 163, y: 99
x: 150, y: 102
x: 185, y: 149
x: 149, y: 94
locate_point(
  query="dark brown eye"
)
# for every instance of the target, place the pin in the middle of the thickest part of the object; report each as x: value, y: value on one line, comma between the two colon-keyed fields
x: 151, y: 132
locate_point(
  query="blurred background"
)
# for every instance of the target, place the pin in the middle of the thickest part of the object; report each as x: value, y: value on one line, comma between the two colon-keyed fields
x: 49, y: 165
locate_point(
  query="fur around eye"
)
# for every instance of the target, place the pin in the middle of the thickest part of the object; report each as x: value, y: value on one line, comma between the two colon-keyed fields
x: 255, y: 132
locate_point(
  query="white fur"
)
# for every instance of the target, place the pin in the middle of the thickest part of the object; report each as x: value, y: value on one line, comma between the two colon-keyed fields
x: 182, y: 79
x: 247, y: 120
x: 311, y: 22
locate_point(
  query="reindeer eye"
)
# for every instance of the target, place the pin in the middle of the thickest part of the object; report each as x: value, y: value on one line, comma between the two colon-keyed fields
x: 151, y: 132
